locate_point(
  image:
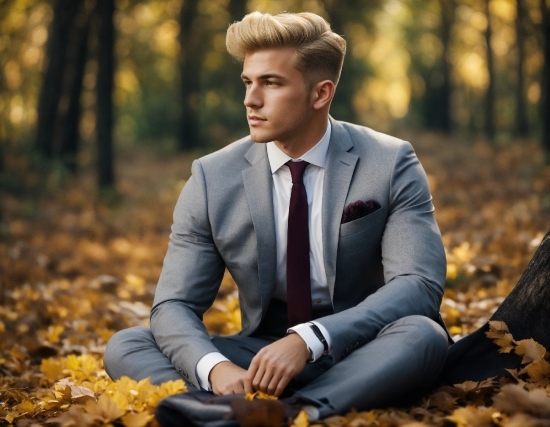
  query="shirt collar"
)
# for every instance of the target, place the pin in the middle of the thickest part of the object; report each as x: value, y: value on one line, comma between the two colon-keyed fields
x: 317, y: 155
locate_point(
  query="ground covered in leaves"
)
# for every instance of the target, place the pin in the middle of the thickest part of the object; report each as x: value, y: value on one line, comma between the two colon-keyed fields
x: 74, y: 270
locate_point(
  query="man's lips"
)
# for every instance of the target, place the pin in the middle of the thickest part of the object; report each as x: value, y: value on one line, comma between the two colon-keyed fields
x: 255, y: 120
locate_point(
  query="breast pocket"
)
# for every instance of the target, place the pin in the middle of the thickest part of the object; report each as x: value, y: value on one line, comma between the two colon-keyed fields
x: 362, y: 233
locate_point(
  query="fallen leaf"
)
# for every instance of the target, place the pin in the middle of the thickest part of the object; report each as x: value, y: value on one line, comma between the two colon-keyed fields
x: 104, y: 409
x: 442, y: 400
x: 514, y: 399
x: 301, y: 420
x: 139, y: 419
x: 530, y: 350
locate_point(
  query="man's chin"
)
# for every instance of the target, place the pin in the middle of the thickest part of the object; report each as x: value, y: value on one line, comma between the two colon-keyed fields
x: 262, y: 139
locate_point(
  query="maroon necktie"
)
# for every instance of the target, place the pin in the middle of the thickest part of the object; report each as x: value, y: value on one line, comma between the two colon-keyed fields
x: 298, y: 283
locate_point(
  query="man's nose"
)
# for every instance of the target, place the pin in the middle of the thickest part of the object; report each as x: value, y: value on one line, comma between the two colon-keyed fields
x: 252, y: 98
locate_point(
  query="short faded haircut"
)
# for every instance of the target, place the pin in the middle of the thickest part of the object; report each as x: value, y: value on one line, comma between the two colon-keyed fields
x: 319, y: 51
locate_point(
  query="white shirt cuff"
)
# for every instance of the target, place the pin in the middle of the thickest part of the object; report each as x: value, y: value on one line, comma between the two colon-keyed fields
x: 205, y: 365
x: 312, y: 342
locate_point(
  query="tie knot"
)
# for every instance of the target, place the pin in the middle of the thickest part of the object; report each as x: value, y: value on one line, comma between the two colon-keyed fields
x: 297, y: 170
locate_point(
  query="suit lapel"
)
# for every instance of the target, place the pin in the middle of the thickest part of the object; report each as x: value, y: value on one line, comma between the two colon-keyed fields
x: 258, y: 188
x: 338, y: 173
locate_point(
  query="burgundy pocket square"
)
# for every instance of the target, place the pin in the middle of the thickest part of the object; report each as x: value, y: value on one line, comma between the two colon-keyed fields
x: 359, y: 209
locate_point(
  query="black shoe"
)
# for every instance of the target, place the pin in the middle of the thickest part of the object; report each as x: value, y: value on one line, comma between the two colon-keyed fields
x: 203, y: 409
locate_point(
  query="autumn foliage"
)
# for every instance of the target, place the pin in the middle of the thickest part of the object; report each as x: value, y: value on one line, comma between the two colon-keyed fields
x: 74, y: 270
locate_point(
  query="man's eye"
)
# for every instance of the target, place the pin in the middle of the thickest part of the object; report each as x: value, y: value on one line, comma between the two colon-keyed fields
x: 270, y: 83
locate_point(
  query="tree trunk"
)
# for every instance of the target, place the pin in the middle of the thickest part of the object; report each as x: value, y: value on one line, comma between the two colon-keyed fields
x: 522, y: 125
x: 50, y: 93
x: 445, y: 92
x: 236, y: 9
x: 526, y: 311
x: 545, y: 80
x: 3, y: 144
x: 76, y: 64
x: 105, y: 10
x: 342, y: 104
x: 4, y: 8
x: 233, y: 86
x: 490, y: 93
x: 190, y: 68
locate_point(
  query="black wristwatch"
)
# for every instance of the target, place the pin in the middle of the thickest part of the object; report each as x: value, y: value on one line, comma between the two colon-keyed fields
x: 319, y: 335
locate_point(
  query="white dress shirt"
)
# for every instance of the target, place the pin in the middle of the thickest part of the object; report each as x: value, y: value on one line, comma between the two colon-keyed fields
x: 314, y: 177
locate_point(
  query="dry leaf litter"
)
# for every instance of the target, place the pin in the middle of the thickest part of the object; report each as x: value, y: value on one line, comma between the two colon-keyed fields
x: 74, y: 271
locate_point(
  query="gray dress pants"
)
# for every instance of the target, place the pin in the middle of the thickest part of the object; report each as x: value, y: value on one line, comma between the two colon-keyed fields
x: 407, y: 356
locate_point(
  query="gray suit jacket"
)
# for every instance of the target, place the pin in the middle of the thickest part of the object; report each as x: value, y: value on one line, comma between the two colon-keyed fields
x: 379, y: 268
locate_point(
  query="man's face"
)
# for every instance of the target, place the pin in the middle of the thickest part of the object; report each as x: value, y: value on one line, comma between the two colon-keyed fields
x: 277, y: 99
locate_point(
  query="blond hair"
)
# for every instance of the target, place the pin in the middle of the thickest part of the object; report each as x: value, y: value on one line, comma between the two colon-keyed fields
x: 319, y: 51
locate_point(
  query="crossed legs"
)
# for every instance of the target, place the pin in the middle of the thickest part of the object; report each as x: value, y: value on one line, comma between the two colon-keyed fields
x: 407, y: 355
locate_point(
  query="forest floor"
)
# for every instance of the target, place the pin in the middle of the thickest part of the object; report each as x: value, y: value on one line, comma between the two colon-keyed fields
x: 74, y: 270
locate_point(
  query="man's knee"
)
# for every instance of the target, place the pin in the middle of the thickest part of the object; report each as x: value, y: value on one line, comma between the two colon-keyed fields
x: 423, y: 332
x: 423, y: 344
x: 123, y: 343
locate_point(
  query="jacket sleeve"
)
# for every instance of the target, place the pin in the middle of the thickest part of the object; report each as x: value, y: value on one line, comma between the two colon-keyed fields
x: 413, y: 260
x: 190, y: 278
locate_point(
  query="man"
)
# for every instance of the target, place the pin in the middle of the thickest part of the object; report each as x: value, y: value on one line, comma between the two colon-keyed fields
x: 304, y: 199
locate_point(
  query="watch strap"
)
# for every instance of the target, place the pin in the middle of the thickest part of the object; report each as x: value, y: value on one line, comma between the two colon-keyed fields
x: 319, y: 335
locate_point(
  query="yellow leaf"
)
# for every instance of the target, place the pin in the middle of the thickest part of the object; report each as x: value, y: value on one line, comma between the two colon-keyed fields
x: 498, y: 325
x: 170, y: 388
x: 259, y: 395
x: 75, y: 417
x: 472, y: 416
x: 81, y: 393
x: 101, y: 385
x: 498, y: 332
x: 49, y: 402
x: 11, y: 416
x: 452, y: 271
x: 140, y: 419
x: 104, y: 408
x: 72, y: 363
x: 537, y: 370
x: 52, y: 368
x: 88, y: 364
x: 134, y: 280
x: 144, y: 389
x: 530, y: 350
x: 120, y: 400
x: 301, y: 420
x: 125, y: 385
x: 63, y: 391
x: 25, y: 406
x: 54, y: 332
x: 502, y: 339
x: 455, y: 330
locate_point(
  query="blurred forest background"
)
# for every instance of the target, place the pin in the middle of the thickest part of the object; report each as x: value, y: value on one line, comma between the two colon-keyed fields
x: 81, y: 79
x: 104, y: 104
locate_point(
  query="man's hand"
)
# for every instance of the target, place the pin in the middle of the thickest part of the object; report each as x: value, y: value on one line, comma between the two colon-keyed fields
x: 228, y: 378
x: 276, y: 364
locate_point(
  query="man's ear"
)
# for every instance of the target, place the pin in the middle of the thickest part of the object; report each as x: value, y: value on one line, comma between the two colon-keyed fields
x: 322, y: 93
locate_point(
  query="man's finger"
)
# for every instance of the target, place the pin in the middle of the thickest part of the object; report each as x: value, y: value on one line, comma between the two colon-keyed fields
x: 252, y: 369
x: 283, y: 382
x: 267, y: 378
x: 260, y: 373
x: 238, y: 388
x: 273, y: 384
x: 248, y: 386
